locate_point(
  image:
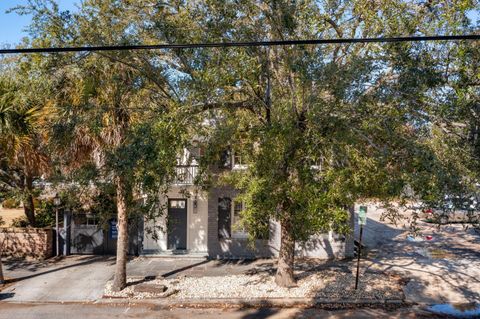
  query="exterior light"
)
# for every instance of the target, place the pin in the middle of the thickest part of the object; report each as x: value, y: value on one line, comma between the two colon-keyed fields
x: 56, y: 200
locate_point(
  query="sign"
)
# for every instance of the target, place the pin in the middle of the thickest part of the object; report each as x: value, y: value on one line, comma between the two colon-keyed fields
x: 362, y: 221
x: 113, y: 230
x: 362, y: 215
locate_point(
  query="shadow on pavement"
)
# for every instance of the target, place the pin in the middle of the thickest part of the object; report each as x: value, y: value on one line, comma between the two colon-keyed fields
x: 12, y: 264
x: 7, y: 295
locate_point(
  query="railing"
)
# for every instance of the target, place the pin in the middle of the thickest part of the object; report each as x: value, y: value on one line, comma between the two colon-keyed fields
x: 185, y: 174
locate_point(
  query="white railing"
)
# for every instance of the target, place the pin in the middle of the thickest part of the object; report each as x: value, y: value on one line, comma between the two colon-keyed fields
x: 185, y: 174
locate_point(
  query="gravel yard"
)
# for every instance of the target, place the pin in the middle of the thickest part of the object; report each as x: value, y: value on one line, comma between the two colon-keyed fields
x: 259, y: 283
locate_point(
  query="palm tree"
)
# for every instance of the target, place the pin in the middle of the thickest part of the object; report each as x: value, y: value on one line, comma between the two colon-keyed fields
x: 22, y: 157
x: 94, y: 121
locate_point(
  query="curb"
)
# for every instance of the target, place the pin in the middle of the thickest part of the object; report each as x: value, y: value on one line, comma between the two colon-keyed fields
x: 320, y: 303
x: 261, y: 302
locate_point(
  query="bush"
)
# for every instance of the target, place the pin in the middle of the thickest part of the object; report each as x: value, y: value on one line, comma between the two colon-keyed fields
x: 11, y: 203
x: 20, y: 222
x: 2, y: 222
x: 45, y: 214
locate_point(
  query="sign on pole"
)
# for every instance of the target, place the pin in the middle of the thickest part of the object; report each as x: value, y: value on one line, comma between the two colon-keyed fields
x: 362, y: 220
x: 362, y: 215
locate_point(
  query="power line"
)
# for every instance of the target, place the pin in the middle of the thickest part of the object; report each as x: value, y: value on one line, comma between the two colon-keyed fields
x: 474, y: 37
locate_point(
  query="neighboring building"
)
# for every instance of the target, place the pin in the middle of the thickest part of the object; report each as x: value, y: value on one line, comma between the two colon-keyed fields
x: 203, y: 223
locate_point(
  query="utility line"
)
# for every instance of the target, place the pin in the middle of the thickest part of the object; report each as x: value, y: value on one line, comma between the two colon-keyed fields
x: 474, y: 37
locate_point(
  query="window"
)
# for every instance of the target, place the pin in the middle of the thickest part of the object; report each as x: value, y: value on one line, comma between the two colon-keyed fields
x: 193, y: 155
x: 317, y: 164
x: 229, y: 221
x: 92, y: 221
x: 177, y: 203
x: 225, y: 159
x: 238, y: 160
x: 238, y: 231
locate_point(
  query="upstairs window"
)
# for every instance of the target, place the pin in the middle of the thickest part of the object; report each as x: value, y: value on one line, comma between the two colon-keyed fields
x: 239, y: 160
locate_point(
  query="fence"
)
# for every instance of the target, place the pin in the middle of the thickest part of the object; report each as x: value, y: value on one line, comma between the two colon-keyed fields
x: 26, y: 242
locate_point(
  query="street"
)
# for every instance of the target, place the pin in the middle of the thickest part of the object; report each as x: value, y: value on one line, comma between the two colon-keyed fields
x: 97, y: 311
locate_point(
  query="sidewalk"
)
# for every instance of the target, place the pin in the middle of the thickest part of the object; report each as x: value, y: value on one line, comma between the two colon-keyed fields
x: 445, y: 269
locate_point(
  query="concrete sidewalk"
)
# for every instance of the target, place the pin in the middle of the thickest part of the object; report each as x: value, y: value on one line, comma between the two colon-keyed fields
x: 192, y: 267
x: 76, y: 278
x: 445, y: 269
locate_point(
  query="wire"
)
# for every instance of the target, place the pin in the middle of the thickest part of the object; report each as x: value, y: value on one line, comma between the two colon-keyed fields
x: 474, y: 37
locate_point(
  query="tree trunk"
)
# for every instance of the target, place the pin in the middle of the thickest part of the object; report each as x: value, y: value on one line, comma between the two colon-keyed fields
x: 28, y: 205
x: 2, y: 278
x: 284, y: 276
x: 120, y: 278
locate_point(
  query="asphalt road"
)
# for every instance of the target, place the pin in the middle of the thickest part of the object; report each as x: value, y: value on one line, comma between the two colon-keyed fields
x: 97, y: 311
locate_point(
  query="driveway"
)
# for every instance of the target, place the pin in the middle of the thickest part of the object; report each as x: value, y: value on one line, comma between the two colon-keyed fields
x: 445, y: 269
x: 76, y: 278
x: 83, y: 278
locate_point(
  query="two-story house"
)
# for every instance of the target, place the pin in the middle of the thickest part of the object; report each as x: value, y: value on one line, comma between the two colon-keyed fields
x: 205, y: 223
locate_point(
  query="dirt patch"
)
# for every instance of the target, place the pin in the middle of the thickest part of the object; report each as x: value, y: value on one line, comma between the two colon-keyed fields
x: 8, y: 215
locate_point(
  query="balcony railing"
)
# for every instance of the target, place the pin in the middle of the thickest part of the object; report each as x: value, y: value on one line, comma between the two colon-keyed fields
x: 185, y: 174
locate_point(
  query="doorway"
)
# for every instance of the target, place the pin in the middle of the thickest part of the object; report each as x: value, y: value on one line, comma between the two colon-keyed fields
x: 177, y: 224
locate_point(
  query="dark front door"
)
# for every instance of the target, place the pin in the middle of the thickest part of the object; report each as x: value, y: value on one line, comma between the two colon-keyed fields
x: 177, y: 224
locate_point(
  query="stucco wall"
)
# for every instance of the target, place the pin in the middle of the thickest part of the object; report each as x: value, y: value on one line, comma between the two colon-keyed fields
x: 202, y: 233
x: 26, y: 242
x: 197, y: 225
x: 324, y: 246
x: 232, y: 247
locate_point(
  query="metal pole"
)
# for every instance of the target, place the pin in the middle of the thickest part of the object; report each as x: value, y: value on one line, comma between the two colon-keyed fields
x: 359, y: 254
x: 56, y: 232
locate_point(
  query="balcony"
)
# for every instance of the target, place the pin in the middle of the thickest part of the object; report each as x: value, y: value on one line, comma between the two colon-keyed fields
x: 185, y: 174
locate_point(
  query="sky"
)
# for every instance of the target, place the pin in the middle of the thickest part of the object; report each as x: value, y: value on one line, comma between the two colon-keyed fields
x: 12, y: 25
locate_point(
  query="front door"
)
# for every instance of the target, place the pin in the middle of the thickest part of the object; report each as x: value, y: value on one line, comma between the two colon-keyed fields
x: 177, y: 224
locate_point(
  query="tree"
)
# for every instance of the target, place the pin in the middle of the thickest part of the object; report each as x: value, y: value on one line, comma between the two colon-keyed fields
x: 2, y: 277
x: 22, y: 149
x: 117, y: 118
x: 321, y: 126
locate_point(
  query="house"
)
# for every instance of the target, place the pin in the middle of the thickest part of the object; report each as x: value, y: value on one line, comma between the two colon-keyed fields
x: 204, y: 223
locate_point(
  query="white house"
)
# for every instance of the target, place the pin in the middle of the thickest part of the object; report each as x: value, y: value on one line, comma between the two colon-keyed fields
x: 203, y: 223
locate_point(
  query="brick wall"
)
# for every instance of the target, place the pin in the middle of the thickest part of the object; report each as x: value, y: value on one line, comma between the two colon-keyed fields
x: 26, y: 242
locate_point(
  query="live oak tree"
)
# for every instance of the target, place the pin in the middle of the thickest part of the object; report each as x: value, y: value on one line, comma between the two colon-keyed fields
x: 320, y: 126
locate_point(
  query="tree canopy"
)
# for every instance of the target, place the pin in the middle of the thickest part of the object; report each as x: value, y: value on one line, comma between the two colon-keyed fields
x: 317, y: 127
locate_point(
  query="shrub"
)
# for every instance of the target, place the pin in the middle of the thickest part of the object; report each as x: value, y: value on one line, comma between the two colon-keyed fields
x: 11, y: 203
x: 20, y: 222
x: 45, y: 214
